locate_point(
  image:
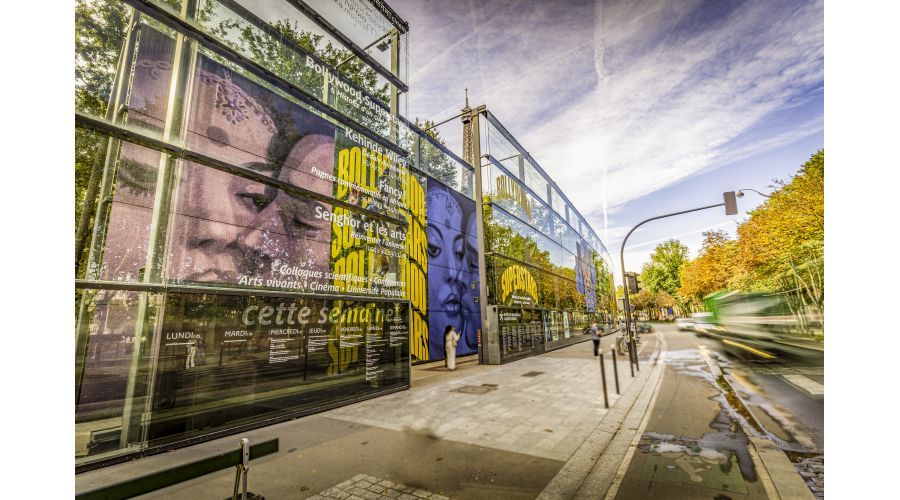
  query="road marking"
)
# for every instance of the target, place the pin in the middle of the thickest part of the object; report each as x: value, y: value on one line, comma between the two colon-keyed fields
x: 807, y: 384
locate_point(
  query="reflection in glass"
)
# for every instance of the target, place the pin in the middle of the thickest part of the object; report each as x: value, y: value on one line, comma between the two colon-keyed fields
x: 107, y: 351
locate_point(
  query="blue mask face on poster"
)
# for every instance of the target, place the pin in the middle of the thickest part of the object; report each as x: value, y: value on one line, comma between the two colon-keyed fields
x: 452, y: 269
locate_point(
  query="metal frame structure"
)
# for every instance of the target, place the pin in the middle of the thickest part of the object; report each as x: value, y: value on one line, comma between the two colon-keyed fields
x: 489, y: 338
x: 114, y: 131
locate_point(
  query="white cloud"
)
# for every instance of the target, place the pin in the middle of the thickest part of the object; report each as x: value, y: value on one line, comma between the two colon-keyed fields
x: 618, y: 99
x: 678, y: 106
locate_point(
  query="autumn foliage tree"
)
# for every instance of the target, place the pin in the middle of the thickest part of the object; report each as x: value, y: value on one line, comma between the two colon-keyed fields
x: 779, y: 249
x: 712, y: 270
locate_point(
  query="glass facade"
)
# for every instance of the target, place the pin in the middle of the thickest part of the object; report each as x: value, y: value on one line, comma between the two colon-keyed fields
x: 260, y: 234
x: 549, y: 277
x: 242, y: 219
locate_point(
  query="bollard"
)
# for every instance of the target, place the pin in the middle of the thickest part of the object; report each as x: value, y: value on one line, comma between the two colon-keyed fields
x: 603, y: 376
x: 634, y: 343
x: 242, y: 470
x: 630, y: 360
x: 615, y: 371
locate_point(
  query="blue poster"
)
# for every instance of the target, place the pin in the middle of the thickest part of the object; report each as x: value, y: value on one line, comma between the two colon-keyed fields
x: 452, y: 270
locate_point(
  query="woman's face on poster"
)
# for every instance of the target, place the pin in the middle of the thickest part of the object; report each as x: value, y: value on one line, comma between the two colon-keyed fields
x: 446, y: 252
x: 229, y: 229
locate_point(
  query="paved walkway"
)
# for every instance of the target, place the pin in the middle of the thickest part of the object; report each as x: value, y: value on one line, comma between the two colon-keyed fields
x: 479, y: 432
x: 544, y: 406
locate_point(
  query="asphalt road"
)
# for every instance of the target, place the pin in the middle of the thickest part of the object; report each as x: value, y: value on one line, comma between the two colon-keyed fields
x: 695, y: 443
x: 783, y: 395
x: 786, y: 398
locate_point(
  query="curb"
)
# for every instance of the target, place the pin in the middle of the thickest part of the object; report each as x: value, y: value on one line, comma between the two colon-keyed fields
x: 591, y: 470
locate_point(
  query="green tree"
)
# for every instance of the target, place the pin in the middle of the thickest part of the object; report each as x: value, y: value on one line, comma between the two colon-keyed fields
x: 434, y: 161
x: 662, y: 273
x: 643, y: 302
x: 786, y: 231
x: 781, y: 246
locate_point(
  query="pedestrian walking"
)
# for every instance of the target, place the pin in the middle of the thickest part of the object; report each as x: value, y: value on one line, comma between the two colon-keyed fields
x: 191, y: 354
x: 451, y: 338
x: 201, y: 352
x: 595, y: 337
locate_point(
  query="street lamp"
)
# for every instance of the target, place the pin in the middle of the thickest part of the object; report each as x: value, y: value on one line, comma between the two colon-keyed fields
x: 740, y: 193
x: 730, y: 205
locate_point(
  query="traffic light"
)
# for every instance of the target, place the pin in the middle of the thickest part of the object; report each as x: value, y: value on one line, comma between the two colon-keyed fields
x: 730, y: 203
x: 631, y: 281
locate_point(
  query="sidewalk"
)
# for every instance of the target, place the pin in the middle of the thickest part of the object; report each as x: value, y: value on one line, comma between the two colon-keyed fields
x: 479, y: 432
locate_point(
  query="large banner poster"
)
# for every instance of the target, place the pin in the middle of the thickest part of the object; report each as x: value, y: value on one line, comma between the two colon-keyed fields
x: 586, y: 275
x: 452, y: 269
x: 234, y: 231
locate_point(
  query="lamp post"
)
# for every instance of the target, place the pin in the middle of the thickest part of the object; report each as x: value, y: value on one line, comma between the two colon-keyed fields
x: 740, y: 193
x: 730, y: 204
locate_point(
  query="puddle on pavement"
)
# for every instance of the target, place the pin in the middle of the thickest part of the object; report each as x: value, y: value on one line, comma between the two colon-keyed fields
x: 779, y: 424
x: 771, y: 425
x: 718, y: 460
x: 687, y: 362
x: 736, y: 404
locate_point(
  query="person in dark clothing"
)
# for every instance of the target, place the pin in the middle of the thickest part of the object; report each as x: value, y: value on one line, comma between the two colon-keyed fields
x: 595, y: 337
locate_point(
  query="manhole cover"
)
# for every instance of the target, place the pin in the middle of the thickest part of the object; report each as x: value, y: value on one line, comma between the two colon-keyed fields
x: 532, y: 374
x: 474, y: 389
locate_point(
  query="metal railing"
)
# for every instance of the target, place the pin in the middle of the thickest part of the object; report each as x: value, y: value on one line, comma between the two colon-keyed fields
x: 240, y: 459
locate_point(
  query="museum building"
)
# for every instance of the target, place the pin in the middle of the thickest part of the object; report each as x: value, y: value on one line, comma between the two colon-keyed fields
x: 261, y: 233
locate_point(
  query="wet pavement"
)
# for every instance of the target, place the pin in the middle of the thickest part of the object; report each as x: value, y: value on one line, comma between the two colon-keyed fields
x: 786, y: 399
x: 693, y: 431
x: 696, y: 443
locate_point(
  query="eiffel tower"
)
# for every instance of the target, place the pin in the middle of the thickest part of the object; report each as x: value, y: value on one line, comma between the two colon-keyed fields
x: 468, y: 153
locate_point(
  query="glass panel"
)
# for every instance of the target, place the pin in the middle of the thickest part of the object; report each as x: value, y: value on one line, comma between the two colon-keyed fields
x: 535, y: 180
x: 452, y: 269
x: 226, y: 360
x: 360, y: 21
x: 521, y: 333
x: 113, y: 355
x: 501, y: 150
x: 101, y: 31
x: 233, y: 231
x: 434, y: 161
x: 285, y: 48
x: 559, y: 205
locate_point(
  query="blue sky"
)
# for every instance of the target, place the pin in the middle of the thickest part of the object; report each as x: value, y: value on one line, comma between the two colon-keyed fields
x: 634, y: 107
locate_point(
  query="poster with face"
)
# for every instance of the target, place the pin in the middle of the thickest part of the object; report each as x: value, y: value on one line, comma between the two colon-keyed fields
x: 586, y: 276
x: 452, y: 269
x: 230, y: 230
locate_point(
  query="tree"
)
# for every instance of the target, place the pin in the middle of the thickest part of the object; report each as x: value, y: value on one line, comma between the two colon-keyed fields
x: 786, y: 231
x: 712, y: 270
x: 434, y: 161
x: 781, y: 247
x: 643, y: 301
x: 662, y: 273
